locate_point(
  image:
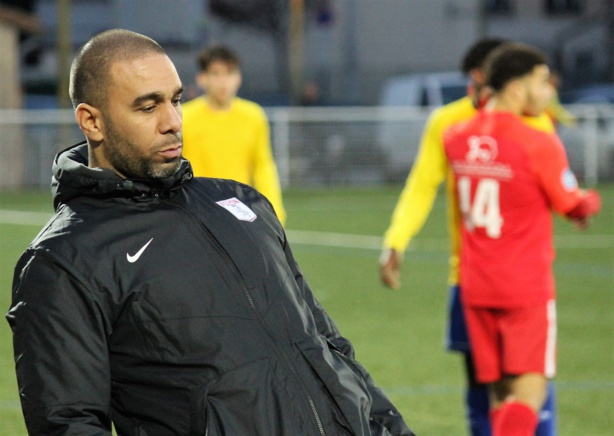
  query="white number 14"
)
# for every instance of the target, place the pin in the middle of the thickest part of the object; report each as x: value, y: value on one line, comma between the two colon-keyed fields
x: 484, y: 211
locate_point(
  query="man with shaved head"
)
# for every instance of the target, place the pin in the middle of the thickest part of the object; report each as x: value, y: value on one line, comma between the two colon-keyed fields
x: 101, y: 74
x: 160, y: 304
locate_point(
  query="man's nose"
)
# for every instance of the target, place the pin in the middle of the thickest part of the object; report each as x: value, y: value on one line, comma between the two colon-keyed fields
x: 172, y: 119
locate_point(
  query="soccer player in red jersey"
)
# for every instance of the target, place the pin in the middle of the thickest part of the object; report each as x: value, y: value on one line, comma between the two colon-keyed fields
x: 509, y: 177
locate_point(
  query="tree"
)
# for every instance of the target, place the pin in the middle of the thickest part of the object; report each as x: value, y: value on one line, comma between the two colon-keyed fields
x: 284, y: 21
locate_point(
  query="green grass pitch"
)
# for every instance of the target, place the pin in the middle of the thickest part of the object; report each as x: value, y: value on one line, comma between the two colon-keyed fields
x: 398, y: 335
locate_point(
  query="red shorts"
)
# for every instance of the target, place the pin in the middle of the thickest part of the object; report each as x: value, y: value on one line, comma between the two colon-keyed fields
x: 512, y: 341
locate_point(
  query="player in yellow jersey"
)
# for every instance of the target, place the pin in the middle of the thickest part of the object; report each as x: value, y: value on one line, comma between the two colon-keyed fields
x: 412, y: 209
x: 225, y: 136
x: 555, y: 110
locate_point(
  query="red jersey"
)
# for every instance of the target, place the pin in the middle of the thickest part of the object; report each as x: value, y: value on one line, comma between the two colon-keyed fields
x: 508, y: 179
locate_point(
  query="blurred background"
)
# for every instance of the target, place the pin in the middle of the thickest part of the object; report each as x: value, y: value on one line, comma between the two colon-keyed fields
x: 347, y: 84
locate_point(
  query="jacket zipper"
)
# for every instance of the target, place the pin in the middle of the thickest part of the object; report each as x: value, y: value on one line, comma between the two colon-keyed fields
x: 281, y: 352
x: 259, y: 316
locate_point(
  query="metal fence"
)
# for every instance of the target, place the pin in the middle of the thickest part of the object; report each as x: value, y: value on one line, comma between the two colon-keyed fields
x: 373, y: 145
x: 313, y: 146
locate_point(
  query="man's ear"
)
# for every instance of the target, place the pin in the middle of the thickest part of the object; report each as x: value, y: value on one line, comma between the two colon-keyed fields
x: 90, y: 121
x: 518, y: 89
x: 477, y: 76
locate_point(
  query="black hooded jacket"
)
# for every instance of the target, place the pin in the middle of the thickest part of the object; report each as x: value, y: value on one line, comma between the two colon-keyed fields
x: 175, y: 307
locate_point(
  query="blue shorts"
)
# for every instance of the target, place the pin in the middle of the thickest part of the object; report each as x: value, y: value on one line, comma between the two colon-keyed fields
x: 457, y: 338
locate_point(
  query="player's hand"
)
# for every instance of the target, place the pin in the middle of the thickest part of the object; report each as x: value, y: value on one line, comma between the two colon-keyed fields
x: 589, y: 205
x: 390, y: 268
x: 581, y: 223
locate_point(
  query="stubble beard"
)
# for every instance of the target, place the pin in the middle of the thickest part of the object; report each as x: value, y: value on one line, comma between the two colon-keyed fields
x: 126, y: 160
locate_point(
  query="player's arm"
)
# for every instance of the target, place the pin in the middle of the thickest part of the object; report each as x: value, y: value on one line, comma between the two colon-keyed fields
x: 561, y: 186
x: 588, y: 206
x: 60, y: 347
x: 196, y: 137
x: 541, y: 122
x: 415, y: 202
x: 266, y: 177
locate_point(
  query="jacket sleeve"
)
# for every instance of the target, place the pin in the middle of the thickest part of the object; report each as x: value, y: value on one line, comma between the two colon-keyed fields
x: 60, y: 347
x: 385, y: 419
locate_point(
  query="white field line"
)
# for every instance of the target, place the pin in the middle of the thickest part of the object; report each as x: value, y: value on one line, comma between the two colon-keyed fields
x: 20, y: 217
x: 342, y: 240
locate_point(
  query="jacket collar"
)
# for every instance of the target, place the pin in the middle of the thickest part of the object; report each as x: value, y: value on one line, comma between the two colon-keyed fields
x: 73, y: 178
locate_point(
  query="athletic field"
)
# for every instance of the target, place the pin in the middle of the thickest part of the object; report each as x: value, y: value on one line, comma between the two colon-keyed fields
x: 398, y: 335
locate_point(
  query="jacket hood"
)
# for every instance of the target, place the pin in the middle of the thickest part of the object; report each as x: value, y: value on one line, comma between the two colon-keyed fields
x: 72, y: 178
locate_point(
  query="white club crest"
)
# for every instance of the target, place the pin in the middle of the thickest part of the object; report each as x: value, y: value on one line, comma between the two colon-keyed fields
x: 482, y: 149
x: 238, y: 209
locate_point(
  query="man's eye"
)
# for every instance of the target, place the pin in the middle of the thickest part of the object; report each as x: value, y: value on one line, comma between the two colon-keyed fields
x: 177, y: 101
x: 148, y: 109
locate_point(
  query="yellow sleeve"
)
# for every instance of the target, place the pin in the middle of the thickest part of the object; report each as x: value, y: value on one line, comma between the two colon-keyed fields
x: 557, y: 112
x: 541, y: 122
x: 454, y: 229
x: 193, y: 111
x: 418, y: 195
x: 265, y: 175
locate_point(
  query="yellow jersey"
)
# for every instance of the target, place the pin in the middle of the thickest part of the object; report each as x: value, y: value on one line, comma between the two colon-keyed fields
x: 428, y: 172
x: 232, y: 144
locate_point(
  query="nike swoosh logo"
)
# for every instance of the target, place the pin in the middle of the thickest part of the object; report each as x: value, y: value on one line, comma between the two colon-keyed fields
x: 136, y: 256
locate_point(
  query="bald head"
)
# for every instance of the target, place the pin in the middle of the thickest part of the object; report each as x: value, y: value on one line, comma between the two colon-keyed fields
x: 90, y: 73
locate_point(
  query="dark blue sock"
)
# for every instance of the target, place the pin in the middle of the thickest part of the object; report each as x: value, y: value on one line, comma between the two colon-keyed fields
x: 547, y: 416
x: 478, y: 410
